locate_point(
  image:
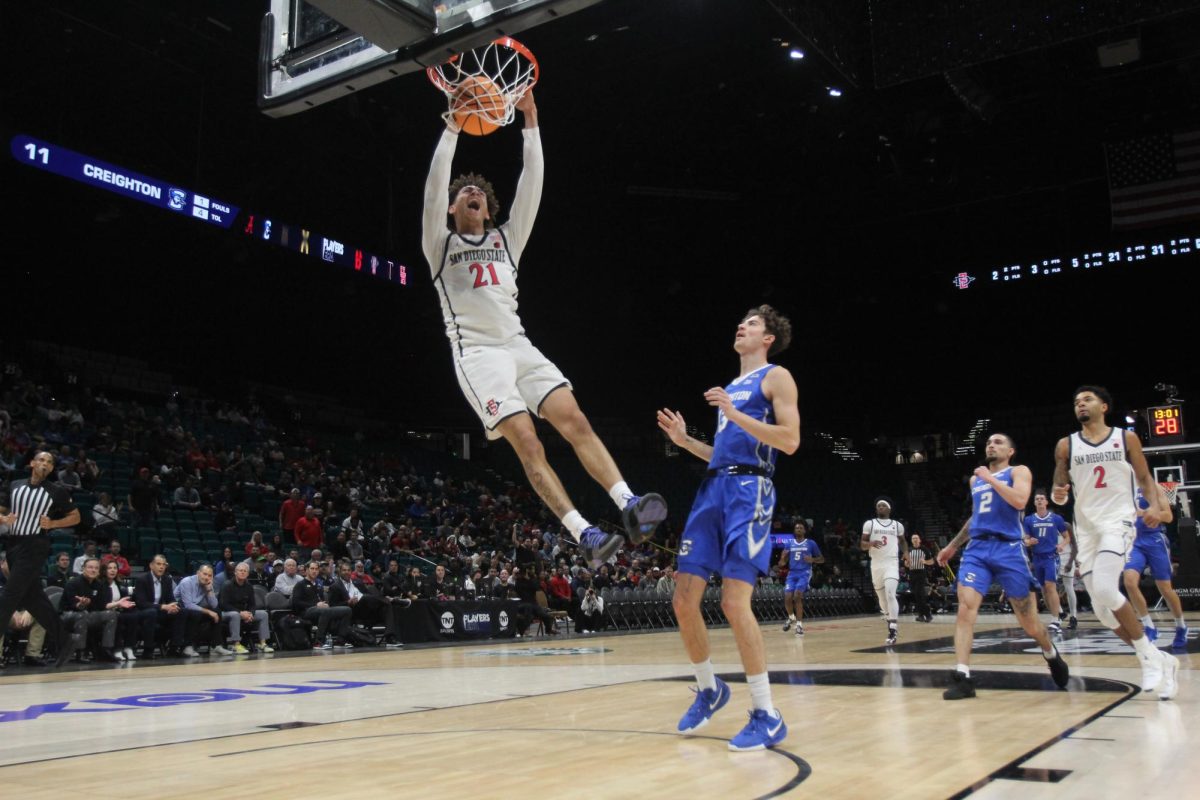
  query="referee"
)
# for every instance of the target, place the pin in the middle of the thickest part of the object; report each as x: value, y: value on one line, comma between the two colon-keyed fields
x: 37, y: 505
x: 916, y: 560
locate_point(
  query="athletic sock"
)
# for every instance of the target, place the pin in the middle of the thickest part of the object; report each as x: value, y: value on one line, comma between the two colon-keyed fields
x: 1051, y: 653
x: 791, y: 617
x: 620, y: 494
x: 1179, y: 623
x: 574, y: 522
x: 1144, y: 647
x: 1147, y: 621
x: 705, y: 678
x: 964, y: 669
x: 760, y: 692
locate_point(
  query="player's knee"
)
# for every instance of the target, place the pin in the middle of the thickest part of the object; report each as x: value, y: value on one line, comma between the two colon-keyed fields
x: 1131, y: 579
x: 1107, y: 618
x: 1107, y: 596
x: 574, y: 426
x: 528, y: 445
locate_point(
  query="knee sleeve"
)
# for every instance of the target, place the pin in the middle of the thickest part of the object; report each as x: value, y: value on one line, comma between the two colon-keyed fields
x: 1099, y: 605
x: 881, y: 595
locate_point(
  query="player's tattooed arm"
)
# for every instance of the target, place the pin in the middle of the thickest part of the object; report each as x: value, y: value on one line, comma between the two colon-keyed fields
x: 672, y: 424
x: 947, y: 552
x: 1062, y: 472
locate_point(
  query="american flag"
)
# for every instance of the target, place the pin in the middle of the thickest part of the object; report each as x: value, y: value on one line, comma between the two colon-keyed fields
x: 1154, y: 180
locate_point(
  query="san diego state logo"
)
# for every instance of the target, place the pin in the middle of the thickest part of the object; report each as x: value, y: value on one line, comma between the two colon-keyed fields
x: 493, y: 408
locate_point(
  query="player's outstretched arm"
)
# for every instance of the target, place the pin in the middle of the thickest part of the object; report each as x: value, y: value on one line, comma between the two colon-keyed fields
x: 1062, y: 473
x: 528, y: 196
x: 780, y: 388
x: 671, y: 423
x: 947, y: 552
x: 437, y: 196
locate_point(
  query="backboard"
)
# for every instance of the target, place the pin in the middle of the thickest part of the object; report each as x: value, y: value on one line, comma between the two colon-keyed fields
x: 314, y: 51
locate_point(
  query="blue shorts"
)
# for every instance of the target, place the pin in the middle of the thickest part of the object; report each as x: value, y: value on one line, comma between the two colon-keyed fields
x: 1153, y: 551
x: 729, y: 529
x: 1045, y: 568
x: 797, y: 581
x: 1004, y: 562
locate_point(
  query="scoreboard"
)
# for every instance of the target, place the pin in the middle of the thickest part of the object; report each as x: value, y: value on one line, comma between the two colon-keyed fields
x: 1165, y: 425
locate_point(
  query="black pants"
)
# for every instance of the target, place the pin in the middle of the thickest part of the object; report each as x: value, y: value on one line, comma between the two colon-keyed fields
x: 374, y: 610
x: 916, y: 583
x: 201, y: 629
x: 337, y: 617
x: 26, y: 560
x: 154, y: 621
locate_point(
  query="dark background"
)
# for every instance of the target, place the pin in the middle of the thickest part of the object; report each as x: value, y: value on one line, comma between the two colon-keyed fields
x: 693, y: 170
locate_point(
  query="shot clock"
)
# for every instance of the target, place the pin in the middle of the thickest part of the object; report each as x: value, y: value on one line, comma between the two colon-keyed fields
x: 1164, y: 425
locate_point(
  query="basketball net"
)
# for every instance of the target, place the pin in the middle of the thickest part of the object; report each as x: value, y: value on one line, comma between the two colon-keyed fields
x: 1171, y: 490
x: 504, y: 63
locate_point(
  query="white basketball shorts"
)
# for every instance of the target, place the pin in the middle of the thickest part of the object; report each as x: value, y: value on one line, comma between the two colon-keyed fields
x: 884, y: 570
x: 500, y: 381
x: 1115, y: 539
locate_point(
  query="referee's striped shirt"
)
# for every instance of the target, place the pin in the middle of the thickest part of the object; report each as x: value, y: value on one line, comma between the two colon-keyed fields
x: 31, y: 503
x: 915, y: 558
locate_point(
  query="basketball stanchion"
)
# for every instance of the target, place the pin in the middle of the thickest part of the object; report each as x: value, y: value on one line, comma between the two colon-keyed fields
x: 483, y: 86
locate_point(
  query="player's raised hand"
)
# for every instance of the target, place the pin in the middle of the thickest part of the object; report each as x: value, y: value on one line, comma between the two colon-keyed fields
x: 1060, y: 495
x: 984, y: 474
x: 671, y: 423
x: 718, y: 397
x: 527, y: 107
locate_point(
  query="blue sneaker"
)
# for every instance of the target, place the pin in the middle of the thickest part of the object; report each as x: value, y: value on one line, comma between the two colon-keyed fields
x: 761, y: 731
x: 1151, y: 634
x: 1180, y: 642
x: 642, y: 515
x: 598, y: 547
x: 707, y: 703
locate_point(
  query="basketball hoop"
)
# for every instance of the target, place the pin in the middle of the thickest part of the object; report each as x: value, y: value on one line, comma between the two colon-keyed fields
x: 1171, y: 490
x: 482, y: 86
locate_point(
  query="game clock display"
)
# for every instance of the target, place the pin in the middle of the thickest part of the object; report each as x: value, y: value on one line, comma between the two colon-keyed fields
x: 1165, y: 425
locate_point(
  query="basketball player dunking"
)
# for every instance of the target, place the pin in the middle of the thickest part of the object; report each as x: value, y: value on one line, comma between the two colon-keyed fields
x: 503, y: 376
x: 1151, y: 549
x: 1101, y: 464
x: 729, y: 529
x: 883, y: 538
x: 999, y: 493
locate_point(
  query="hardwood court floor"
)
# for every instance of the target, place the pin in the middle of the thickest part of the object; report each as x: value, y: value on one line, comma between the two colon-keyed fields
x: 544, y: 717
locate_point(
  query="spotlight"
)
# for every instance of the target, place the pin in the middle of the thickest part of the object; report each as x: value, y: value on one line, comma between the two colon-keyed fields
x: 1129, y: 420
x: 834, y: 91
x: 796, y: 54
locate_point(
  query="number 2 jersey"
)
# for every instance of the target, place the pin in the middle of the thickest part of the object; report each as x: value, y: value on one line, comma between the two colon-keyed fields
x: 476, y: 276
x: 1103, y: 481
x: 992, y: 515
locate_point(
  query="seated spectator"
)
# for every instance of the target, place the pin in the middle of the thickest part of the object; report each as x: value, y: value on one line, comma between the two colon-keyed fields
x: 239, y: 606
x: 256, y: 546
x: 186, y: 496
x: 591, y: 613
x: 353, y: 525
x: 105, y: 517
x: 308, y: 600
x: 666, y: 584
x: 154, y: 596
x: 85, y: 596
x: 114, y: 555
x: 89, y: 470
x: 118, y: 601
x: 143, y: 498
x: 525, y: 589
x: 560, y: 594
x: 201, y: 613
x: 392, y: 583
x: 441, y: 587
x: 69, y: 478
x: 414, y: 584
x: 258, y: 575
x: 365, y: 608
x: 226, y: 560
x: 61, y: 573
x: 353, y: 547
x: 602, y: 579
x: 225, y: 519
x: 361, y: 575
x: 286, y: 581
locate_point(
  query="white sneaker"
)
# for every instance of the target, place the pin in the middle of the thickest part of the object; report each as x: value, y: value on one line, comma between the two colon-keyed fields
x: 1170, y: 671
x: 1152, y: 671
x: 118, y: 655
x: 221, y: 650
x: 128, y: 653
x: 189, y: 652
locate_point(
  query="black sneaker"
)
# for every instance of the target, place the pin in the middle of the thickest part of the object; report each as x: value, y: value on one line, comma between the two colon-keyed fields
x: 1074, y: 623
x: 642, y: 515
x: 891, y: 637
x: 1059, y: 670
x: 787, y: 626
x: 34, y: 661
x: 598, y: 547
x: 962, y: 688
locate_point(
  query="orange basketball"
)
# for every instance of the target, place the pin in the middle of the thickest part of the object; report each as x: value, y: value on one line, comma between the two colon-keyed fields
x: 478, y: 95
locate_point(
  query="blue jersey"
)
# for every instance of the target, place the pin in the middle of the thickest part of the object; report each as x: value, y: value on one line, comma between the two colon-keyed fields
x: 732, y: 445
x: 1046, y: 530
x: 796, y: 553
x: 1142, y: 530
x: 992, y: 515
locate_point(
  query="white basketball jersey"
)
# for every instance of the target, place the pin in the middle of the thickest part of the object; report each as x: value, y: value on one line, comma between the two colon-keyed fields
x: 477, y: 286
x: 1103, y: 481
x: 888, y: 532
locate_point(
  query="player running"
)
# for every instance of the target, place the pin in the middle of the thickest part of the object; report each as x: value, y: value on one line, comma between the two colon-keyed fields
x: 1042, y: 531
x: 799, y: 557
x: 883, y: 538
x: 1151, y: 548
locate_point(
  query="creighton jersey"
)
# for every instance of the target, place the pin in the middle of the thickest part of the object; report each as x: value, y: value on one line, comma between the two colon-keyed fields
x: 733, y: 446
x: 1046, y: 530
x: 1102, y: 479
x: 991, y: 514
x: 888, y: 532
x: 796, y: 553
